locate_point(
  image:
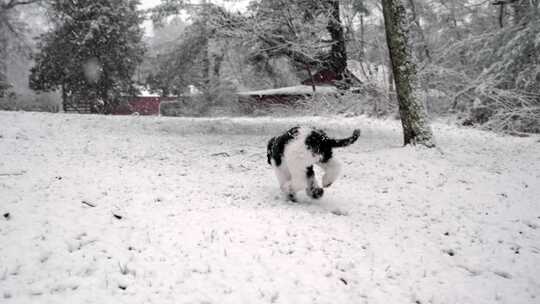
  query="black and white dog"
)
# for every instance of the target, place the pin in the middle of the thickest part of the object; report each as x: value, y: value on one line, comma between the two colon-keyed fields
x: 293, y: 154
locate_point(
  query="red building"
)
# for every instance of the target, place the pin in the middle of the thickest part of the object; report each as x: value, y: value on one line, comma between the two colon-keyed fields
x: 143, y: 105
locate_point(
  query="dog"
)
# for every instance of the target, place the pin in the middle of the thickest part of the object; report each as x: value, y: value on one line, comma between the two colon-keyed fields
x: 293, y: 154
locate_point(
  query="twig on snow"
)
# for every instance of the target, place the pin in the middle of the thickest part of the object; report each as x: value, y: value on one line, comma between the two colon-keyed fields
x: 88, y: 204
x: 13, y: 173
x: 221, y: 154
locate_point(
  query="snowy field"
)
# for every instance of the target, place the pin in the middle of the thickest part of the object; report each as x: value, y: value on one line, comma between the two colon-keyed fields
x: 102, y: 209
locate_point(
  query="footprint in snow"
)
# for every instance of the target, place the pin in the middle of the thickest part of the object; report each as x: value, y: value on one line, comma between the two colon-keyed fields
x: 339, y: 212
x: 450, y: 252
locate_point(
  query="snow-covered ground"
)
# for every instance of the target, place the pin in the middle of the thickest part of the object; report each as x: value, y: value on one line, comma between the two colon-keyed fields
x: 188, y: 211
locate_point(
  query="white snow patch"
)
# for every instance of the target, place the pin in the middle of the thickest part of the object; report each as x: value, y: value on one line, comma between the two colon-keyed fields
x: 294, y: 90
x: 184, y: 210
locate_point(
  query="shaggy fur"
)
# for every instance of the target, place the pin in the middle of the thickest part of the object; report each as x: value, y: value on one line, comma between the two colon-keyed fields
x: 293, y: 154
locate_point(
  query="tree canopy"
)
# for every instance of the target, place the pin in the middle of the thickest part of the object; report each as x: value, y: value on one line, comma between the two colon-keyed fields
x: 93, y: 50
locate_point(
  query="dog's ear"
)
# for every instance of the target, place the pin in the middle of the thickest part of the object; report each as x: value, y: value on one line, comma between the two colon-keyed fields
x: 269, y: 149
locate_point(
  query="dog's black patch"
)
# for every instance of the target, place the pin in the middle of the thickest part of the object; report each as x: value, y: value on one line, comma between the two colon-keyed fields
x: 276, y: 145
x: 319, y: 143
x: 269, y: 149
x: 292, y: 197
x: 310, y: 173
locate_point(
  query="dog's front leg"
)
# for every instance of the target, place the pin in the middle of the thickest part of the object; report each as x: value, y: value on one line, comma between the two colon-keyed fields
x: 298, y: 180
x: 313, y: 190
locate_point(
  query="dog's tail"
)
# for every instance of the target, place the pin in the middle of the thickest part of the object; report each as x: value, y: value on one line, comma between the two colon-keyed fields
x: 339, y: 143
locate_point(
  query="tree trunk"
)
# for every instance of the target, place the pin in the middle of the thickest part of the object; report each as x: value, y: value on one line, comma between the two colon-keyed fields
x: 205, y: 65
x: 416, y: 129
x: 64, y: 98
x: 308, y: 70
x: 205, y: 54
x: 3, y: 54
x: 218, y: 60
x: 338, y: 52
x: 362, y: 38
x: 501, y: 15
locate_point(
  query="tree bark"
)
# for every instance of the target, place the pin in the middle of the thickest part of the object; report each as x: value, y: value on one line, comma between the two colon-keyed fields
x: 3, y: 52
x: 416, y: 129
x: 205, y: 55
x: 362, y: 38
x: 64, y: 98
x: 501, y: 15
x: 308, y: 70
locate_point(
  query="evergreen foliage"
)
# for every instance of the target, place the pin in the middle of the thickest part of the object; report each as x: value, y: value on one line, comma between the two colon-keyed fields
x: 92, y: 51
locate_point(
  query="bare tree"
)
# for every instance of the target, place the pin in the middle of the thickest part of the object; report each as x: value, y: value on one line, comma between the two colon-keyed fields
x: 424, y: 49
x: 416, y: 129
x: 520, y: 9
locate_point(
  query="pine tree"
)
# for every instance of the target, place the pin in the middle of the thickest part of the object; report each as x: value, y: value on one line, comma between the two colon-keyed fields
x: 416, y: 129
x: 92, y: 52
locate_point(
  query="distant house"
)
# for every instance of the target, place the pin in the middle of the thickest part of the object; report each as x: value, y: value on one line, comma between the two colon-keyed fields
x: 323, y: 82
x: 284, y: 95
x: 328, y: 77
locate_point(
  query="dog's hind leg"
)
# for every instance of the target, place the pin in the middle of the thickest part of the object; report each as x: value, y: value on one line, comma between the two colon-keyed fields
x: 313, y: 190
x: 283, y: 176
x: 331, y: 169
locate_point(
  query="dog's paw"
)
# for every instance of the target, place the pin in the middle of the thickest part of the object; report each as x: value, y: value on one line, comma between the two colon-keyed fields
x: 316, y: 193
